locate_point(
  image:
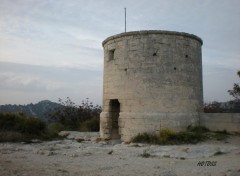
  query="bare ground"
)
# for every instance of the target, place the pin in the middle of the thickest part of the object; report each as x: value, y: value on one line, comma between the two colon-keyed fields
x: 70, y: 158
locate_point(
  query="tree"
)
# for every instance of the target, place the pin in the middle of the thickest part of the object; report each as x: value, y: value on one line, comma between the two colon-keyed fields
x: 72, y: 116
x: 213, y: 107
x: 236, y: 90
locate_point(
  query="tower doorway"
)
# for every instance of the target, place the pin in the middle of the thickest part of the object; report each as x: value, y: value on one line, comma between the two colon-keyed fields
x: 114, y: 111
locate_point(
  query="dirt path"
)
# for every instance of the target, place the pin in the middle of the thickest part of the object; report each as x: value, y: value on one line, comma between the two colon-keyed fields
x: 70, y: 158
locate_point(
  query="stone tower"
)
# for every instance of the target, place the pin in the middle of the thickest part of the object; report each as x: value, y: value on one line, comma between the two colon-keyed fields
x: 152, y: 81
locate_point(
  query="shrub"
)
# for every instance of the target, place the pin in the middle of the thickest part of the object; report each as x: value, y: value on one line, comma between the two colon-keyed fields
x: 197, y: 129
x: 21, y: 123
x: 33, y: 126
x: 146, y: 138
x: 11, y: 136
x: 222, y: 107
x: 220, y: 135
x: 57, y: 127
x: 72, y: 116
x: 90, y: 125
x: 166, y: 135
x: 187, y: 137
x: 10, y: 121
x: 218, y: 153
x: 18, y: 127
x: 53, y: 130
x: 145, y: 154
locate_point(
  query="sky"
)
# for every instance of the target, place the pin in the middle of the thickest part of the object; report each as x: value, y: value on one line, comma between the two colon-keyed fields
x: 52, y: 49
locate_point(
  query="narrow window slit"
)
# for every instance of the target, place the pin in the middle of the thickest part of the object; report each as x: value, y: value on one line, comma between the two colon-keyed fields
x: 111, y: 54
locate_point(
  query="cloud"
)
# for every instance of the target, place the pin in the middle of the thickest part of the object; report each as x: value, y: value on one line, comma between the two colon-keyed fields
x: 41, y: 82
x: 43, y: 33
x: 13, y: 81
x: 58, y: 44
x: 217, y: 80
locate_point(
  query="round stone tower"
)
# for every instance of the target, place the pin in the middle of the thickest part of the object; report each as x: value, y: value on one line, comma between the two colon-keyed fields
x: 152, y: 81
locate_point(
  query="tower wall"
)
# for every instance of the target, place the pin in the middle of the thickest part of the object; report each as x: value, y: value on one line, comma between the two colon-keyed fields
x: 156, y: 76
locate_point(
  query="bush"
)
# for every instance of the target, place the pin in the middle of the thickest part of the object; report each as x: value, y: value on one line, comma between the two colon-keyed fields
x: 72, y: 116
x: 167, y: 136
x: 11, y: 136
x: 33, y: 126
x: 188, y: 137
x: 197, y: 129
x: 10, y: 121
x: 53, y: 130
x: 57, y: 127
x: 18, y: 127
x: 21, y: 123
x: 146, y: 138
x: 222, y: 107
x: 145, y: 154
x: 90, y: 125
x: 221, y: 135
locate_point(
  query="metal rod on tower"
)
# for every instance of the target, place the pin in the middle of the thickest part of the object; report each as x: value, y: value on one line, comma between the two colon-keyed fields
x: 125, y: 20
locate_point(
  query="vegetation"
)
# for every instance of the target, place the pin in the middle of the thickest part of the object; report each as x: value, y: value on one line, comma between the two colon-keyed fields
x: 214, y: 107
x: 232, y: 106
x: 221, y: 135
x: 84, y: 117
x: 146, y: 138
x: 235, y: 92
x: 218, y: 153
x: 15, y: 127
x: 219, y: 107
x: 19, y: 127
x: 145, y: 154
x: 90, y: 125
x: 191, y: 135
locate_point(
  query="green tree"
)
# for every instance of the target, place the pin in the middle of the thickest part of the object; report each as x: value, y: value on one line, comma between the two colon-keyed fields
x: 235, y: 92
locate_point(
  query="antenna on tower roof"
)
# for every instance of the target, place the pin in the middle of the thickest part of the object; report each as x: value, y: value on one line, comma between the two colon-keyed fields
x: 125, y: 19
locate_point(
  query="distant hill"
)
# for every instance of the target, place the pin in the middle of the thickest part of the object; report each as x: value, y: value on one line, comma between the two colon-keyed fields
x: 38, y: 110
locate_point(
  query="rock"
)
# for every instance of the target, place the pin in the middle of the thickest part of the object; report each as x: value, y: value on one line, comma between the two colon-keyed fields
x: 93, y: 139
x: 103, y: 142
x: 66, y: 147
x: 35, y: 141
x: 74, y: 155
x: 45, y: 152
x: 110, y: 152
x: 134, y: 145
x: 40, y: 152
x: 169, y: 173
x: 87, y: 138
x: 87, y: 154
x: 49, y: 153
x: 115, y: 141
x: 79, y: 139
x: 186, y: 150
x: 63, y: 133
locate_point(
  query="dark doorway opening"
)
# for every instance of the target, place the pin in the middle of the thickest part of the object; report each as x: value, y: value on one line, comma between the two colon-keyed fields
x: 114, y: 115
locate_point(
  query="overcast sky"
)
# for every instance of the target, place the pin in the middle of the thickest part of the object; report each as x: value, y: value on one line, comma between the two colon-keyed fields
x: 52, y: 49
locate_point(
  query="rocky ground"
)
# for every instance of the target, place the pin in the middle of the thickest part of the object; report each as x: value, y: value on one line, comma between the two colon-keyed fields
x: 82, y: 154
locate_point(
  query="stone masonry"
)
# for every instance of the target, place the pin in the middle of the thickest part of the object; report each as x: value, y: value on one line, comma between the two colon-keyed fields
x: 152, y: 81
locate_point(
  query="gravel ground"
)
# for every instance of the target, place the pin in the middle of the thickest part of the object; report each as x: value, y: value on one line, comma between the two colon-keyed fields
x: 90, y: 158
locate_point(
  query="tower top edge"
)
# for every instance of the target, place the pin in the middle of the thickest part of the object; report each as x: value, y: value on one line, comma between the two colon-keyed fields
x: 147, y: 32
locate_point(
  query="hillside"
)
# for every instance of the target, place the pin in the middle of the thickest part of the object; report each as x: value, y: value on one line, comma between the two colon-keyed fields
x: 38, y: 110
